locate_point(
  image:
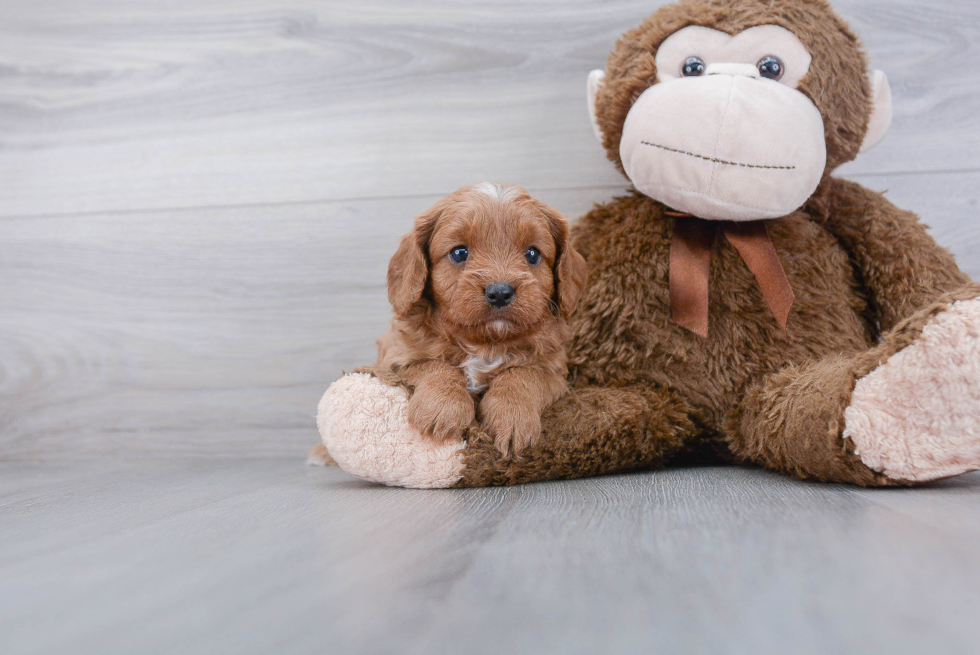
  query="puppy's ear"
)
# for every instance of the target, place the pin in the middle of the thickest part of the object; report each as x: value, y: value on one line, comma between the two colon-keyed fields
x: 571, y: 271
x: 408, y: 269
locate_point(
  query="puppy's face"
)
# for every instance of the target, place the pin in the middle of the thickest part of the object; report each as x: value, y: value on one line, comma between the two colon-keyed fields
x: 491, y: 274
x: 497, y: 264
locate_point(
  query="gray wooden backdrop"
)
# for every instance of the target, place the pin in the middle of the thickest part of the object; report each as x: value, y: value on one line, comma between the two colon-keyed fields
x: 198, y: 199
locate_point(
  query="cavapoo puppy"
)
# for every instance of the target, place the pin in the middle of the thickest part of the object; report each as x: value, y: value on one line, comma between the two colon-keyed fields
x: 482, y: 289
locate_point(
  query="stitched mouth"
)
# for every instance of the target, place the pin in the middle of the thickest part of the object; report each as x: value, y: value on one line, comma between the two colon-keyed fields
x: 719, y: 161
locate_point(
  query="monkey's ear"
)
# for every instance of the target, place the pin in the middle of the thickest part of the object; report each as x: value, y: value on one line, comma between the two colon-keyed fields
x: 881, y: 113
x: 596, y: 78
x: 408, y: 269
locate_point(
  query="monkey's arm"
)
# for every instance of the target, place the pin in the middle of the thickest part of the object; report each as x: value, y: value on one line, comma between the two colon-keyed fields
x: 896, y: 259
x: 583, y: 233
x: 588, y: 431
x: 606, y: 218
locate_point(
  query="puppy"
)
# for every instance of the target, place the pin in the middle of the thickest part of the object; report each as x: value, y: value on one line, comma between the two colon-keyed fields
x: 482, y: 289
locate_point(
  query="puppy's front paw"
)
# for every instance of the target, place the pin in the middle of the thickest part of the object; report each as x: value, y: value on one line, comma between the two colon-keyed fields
x: 513, y: 426
x: 440, y: 414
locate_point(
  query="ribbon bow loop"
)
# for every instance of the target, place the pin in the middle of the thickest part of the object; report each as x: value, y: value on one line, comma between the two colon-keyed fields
x: 690, y: 268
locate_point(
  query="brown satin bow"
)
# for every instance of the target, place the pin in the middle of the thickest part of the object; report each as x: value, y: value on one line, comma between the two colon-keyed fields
x: 690, y: 266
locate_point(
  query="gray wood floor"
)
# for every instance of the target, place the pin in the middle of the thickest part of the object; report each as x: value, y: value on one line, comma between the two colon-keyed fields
x: 266, y: 556
x: 198, y: 204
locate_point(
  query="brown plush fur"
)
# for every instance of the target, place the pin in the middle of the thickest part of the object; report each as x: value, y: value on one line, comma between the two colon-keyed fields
x: 867, y: 279
x: 448, y: 342
x: 645, y: 392
x: 646, y: 389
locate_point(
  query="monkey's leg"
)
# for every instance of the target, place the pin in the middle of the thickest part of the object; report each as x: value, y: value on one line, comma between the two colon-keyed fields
x: 589, y: 431
x: 905, y: 412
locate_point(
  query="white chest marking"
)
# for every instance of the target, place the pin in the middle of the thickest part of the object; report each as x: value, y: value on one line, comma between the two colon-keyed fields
x: 478, y: 369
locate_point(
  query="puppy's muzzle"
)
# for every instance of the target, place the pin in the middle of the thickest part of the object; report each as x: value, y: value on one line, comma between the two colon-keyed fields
x: 499, y: 294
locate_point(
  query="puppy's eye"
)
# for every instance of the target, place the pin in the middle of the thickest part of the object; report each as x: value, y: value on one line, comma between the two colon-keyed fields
x: 533, y: 256
x: 459, y: 254
x: 693, y: 67
x: 771, y: 68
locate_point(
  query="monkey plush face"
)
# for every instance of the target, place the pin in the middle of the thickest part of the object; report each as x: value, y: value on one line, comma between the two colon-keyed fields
x: 737, y: 114
x: 725, y: 134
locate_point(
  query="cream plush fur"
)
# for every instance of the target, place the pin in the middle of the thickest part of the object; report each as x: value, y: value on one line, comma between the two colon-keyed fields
x: 364, y: 425
x: 917, y: 417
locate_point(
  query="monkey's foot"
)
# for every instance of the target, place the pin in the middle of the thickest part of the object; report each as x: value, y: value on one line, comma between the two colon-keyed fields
x: 916, y: 418
x: 364, y: 425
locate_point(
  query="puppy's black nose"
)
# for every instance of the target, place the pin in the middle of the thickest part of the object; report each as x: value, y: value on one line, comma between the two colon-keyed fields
x: 499, y: 294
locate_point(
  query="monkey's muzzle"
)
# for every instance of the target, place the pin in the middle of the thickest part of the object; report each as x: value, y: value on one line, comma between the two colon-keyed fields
x: 725, y: 147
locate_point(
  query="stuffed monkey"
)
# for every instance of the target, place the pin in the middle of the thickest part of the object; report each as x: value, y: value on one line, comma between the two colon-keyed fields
x: 743, y: 305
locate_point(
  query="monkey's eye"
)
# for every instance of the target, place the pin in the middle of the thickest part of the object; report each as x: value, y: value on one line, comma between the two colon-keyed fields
x: 771, y: 68
x: 459, y: 254
x: 693, y: 67
x: 533, y: 256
